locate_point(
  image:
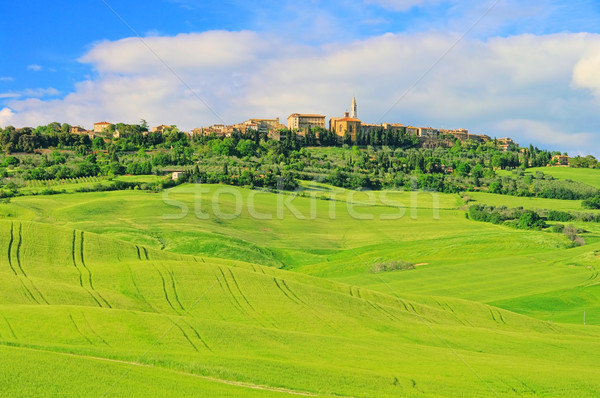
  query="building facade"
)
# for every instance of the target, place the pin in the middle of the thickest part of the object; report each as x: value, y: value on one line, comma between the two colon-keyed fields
x: 345, y: 125
x: 100, y: 127
x: 81, y: 131
x: 561, y: 160
x: 266, y: 124
x: 414, y: 131
x: 160, y: 129
x: 298, y: 121
x: 428, y: 132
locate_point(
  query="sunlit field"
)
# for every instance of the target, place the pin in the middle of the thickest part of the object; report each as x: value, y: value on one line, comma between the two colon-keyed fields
x: 239, y: 292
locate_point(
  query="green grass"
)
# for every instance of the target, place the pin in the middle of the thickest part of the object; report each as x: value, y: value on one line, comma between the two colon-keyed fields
x: 142, y: 293
x: 587, y: 176
x: 141, y: 178
x: 71, y: 185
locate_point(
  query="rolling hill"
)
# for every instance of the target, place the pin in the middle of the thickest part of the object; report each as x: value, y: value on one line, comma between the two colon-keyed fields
x: 83, y: 313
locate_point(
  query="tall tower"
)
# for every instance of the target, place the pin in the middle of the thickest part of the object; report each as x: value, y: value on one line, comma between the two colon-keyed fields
x: 353, y: 113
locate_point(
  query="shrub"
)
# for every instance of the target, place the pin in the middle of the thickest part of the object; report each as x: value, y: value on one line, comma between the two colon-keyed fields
x: 578, y: 241
x: 530, y: 220
x: 556, y: 215
x: 591, y: 203
x: 391, y: 266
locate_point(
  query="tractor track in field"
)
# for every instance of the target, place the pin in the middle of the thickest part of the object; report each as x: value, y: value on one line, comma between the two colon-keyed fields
x: 12, y: 331
x: 89, y: 326
x: 207, y: 378
x: 19, y: 250
x: 403, y: 304
x: 90, y: 273
x: 500, y: 315
x: 292, y: 293
x: 358, y: 293
x: 20, y: 266
x: 164, y: 287
x: 74, y: 262
x: 79, y: 330
x: 389, y: 313
x: 297, y: 300
x: 28, y: 292
x: 172, y: 277
x: 186, y: 336
x: 284, y: 292
x: 10, y: 242
x: 492, y: 314
x: 198, y: 335
x: 240, y: 290
x: 376, y: 308
x: 81, y: 278
x: 499, y: 319
x: 145, y: 253
x: 237, y: 286
x: 138, y: 289
x: 138, y: 252
x: 91, y: 282
x: 239, y: 306
x: 447, y: 307
x: 392, y: 316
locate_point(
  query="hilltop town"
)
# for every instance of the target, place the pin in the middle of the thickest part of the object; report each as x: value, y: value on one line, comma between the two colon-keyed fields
x: 348, y: 129
x: 265, y: 153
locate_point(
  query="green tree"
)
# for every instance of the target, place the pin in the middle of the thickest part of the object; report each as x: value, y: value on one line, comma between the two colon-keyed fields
x: 529, y: 219
x: 463, y: 169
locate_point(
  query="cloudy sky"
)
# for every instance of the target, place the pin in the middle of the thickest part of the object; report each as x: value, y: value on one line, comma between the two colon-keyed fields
x: 525, y: 69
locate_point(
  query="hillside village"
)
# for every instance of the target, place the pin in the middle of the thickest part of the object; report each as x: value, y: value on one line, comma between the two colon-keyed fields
x: 347, y: 128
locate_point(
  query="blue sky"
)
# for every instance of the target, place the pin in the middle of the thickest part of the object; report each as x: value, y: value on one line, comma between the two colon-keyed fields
x: 524, y: 70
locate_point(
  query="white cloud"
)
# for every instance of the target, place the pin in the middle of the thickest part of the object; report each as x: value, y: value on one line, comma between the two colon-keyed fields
x: 6, y: 78
x: 34, y: 67
x: 10, y: 95
x: 526, y: 86
x: 586, y: 73
x: 545, y: 132
x: 5, y: 116
x: 200, y: 51
x: 31, y: 93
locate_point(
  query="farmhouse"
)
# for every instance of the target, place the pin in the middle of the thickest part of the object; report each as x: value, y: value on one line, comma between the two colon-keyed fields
x: 100, y: 127
x: 505, y: 143
x: 81, y: 131
x: 560, y: 160
x: 176, y: 174
x: 160, y: 129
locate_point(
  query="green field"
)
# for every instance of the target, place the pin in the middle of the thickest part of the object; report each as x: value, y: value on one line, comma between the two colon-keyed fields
x: 71, y: 185
x: 587, y: 176
x: 221, y: 291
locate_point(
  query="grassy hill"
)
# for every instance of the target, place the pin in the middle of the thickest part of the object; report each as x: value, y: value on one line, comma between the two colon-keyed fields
x: 587, y: 176
x: 127, y: 293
